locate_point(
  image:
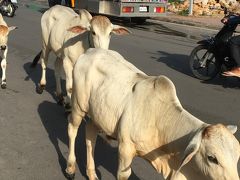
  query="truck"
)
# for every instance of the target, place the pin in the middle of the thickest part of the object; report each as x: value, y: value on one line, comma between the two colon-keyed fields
x: 135, y: 10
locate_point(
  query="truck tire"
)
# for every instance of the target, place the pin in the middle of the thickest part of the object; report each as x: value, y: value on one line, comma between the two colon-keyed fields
x: 138, y: 20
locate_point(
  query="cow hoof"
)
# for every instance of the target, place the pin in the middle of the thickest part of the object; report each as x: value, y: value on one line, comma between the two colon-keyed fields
x: 3, y: 86
x: 60, y: 100
x: 40, y: 88
x: 95, y: 178
x: 70, y: 176
x: 68, y: 107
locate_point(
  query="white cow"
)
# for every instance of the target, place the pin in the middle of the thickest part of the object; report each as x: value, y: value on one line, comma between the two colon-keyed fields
x: 4, y: 31
x: 69, y: 35
x: 144, y: 114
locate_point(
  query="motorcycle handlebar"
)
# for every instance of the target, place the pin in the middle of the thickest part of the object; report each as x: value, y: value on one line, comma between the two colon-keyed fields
x: 231, y: 19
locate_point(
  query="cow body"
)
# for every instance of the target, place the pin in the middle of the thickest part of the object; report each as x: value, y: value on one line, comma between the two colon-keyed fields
x: 55, y: 24
x: 144, y: 114
x: 69, y: 35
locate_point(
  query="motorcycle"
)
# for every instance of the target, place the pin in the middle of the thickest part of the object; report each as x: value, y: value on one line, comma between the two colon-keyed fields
x: 212, y: 56
x: 8, y: 7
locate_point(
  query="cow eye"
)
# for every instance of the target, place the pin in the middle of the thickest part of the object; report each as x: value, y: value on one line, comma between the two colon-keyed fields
x: 93, y: 32
x: 213, y: 159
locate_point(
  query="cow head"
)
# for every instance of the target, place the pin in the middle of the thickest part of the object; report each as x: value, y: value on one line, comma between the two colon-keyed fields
x: 4, y: 31
x: 100, y: 30
x: 215, y: 152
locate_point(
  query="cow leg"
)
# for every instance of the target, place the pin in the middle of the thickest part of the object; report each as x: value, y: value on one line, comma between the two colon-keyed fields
x: 68, y: 68
x: 4, y: 66
x: 58, y: 66
x: 74, y: 121
x: 126, y: 154
x: 91, y: 136
x: 44, y: 60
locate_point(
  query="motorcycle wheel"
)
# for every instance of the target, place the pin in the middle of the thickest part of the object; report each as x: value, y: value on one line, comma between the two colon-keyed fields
x: 203, y: 63
x: 11, y: 10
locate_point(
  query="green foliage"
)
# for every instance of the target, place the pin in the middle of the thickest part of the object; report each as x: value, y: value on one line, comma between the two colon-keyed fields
x: 184, y: 12
x: 175, y: 1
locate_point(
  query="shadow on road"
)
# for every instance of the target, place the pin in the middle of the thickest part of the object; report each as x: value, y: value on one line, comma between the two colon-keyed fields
x: 52, y: 117
x: 180, y: 63
x: 177, y: 62
x: 156, y: 28
x: 151, y: 27
x: 225, y: 82
x: 55, y: 123
x: 34, y: 74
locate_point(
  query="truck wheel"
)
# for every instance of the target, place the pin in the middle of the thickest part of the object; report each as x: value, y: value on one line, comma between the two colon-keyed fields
x: 138, y: 20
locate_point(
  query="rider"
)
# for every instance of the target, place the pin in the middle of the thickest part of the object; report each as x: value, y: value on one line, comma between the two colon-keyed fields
x: 234, y: 46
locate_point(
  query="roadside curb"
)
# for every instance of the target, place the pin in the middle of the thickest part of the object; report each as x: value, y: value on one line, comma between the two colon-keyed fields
x: 202, y: 22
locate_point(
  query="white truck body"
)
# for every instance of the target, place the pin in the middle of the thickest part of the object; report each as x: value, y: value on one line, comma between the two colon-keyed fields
x: 125, y: 8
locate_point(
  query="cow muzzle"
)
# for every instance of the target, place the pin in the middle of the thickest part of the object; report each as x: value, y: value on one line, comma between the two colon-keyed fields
x: 3, y: 47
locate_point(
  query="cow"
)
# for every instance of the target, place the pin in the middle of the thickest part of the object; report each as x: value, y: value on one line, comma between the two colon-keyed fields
x: 69, y: 35
x: 146, y: 117
x: 4, y: 31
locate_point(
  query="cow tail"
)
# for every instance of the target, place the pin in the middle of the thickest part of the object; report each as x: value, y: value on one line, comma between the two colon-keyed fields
x: 36, y: 59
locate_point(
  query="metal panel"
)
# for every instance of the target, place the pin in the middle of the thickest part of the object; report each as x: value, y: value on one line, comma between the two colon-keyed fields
x: 114, y: 7
x: 138, y: 13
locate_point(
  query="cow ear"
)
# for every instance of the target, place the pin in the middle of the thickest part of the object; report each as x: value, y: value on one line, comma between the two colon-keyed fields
x: 232, y: 128
x: 77, y: 29
x: 192, y: 148
x: 85, y: 15
x: 1, y: 17
x: 120, y: 30
x: 12, y: 28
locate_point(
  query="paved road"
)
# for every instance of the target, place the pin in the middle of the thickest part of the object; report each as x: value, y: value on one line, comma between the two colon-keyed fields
x: 33, y: 128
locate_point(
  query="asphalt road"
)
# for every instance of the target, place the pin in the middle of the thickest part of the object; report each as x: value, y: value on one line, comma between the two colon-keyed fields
x: 33, y: 128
